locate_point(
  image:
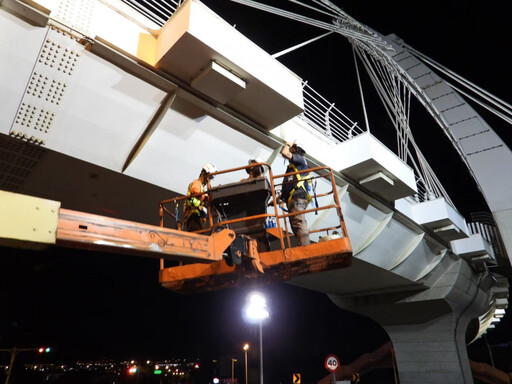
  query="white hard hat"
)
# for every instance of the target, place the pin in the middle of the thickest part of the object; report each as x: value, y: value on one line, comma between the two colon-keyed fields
x: 256, y: 170
x: 209, y: 168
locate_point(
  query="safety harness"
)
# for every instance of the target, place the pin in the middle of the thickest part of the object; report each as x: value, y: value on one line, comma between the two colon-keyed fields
x: 193, y: 205
x: 303, y: 181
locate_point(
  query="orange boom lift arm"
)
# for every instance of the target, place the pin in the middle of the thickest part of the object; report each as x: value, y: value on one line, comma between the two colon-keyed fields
x: 242, y: 242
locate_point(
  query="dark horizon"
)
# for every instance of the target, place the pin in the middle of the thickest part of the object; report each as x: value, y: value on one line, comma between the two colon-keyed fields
x: 62, y: 298
x: 80, y: 305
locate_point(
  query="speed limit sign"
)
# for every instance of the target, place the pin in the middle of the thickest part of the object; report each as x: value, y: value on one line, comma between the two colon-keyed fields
x: 332, y: 363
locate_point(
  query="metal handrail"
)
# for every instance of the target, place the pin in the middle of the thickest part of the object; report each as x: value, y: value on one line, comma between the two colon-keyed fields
x: 280, y: 217
x: 483, y: 223
x: 154, y: 10
x: 325, y: 117
x: 320, y: 114
x: 337, y: 206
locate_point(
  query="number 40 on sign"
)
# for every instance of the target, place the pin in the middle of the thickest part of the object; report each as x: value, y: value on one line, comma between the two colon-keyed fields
x: 332, y: 363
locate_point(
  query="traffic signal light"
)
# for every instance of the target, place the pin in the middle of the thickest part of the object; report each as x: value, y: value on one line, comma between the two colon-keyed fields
x: 44, y: 349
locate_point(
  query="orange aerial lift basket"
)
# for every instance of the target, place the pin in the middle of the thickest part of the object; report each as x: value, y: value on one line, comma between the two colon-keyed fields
x: 263, y: 247
x: 246, y: 236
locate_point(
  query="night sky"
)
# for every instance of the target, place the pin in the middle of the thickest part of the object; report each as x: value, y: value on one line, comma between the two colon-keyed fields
x: 93, y: 305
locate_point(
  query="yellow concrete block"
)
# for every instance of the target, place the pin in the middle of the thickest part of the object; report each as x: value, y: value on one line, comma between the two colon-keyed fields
x: 28, y: 218
x: 146, y: 49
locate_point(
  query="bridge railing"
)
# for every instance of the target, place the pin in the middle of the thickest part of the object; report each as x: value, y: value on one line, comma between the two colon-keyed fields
x: 484, y: 224
x: 157, y: 11
x: 324, y: 117
x: 319, y: 113
x: 265, y: 214
x: 426, y: 192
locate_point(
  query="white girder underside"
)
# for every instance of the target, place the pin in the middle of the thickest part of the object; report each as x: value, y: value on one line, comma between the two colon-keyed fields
x: 104, y: 111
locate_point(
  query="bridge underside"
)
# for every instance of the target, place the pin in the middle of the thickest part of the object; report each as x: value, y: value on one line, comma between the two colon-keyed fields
x: 76, y: 137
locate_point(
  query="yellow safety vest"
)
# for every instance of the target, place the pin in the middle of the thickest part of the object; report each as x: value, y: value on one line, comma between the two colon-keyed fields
x: 193, y: 204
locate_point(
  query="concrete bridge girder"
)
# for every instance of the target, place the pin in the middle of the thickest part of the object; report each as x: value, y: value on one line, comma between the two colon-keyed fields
x: 401, y: 269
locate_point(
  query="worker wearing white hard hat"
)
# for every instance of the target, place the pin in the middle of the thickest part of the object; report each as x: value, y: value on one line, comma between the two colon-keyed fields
x: 257, y: 170
x: 208, y: 168
x: 294, y: 191
x: 195, y: 210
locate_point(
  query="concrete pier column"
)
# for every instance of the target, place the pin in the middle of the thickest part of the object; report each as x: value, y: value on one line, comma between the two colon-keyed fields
x: 431, y: 352
x: 428, y: 327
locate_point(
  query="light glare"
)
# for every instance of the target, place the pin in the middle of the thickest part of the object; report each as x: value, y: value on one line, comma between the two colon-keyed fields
x: 257, y: 300
x: 256, y: 308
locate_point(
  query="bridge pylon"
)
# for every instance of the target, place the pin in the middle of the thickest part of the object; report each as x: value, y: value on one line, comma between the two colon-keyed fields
x: 430, y: 328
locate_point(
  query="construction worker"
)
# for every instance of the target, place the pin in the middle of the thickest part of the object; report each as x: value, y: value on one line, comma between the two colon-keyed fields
x: 257, y: 170
x: 195, y: 211
x: 295, y: 192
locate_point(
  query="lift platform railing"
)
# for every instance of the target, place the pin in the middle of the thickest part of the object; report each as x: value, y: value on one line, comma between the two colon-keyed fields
x: 278, y: 214
x: 315, y: 174
x: 259, y: 251
x: 175, y: 208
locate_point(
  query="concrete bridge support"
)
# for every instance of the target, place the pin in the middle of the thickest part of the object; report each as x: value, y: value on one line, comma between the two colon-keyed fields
x: 431, y: 352
x: 428, y: 327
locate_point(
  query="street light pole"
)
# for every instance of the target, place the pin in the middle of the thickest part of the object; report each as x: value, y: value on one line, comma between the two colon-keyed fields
x: 256, y: 311
x: 246, y: 348
x: 261, y: 352
x: 233, y: 360
x: 14, y: 351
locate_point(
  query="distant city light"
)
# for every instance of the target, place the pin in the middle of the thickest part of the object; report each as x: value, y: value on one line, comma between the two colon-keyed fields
x: 118, y: 368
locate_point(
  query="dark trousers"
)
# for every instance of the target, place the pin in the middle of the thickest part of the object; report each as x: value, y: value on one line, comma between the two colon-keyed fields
x: 193, y: 223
